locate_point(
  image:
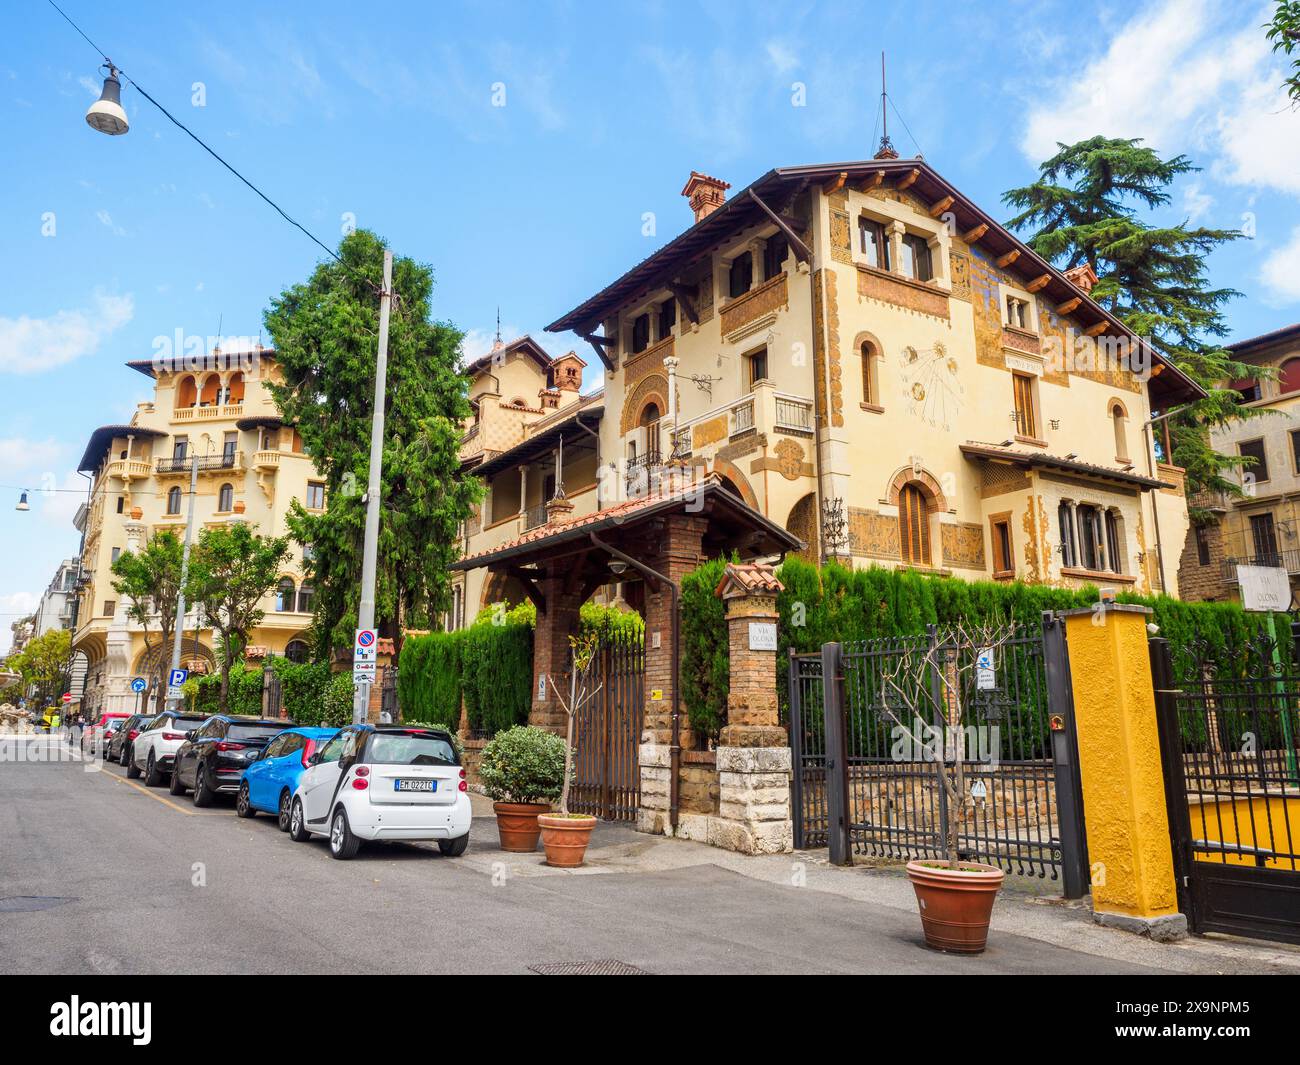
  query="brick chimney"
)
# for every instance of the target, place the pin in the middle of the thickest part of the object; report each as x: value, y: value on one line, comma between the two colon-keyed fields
x: 706, y: 194
x: 1082, y: 277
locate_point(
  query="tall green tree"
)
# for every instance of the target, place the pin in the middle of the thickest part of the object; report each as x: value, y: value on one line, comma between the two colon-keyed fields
x: 150, y: 580
x: 325, y: 335
x: 1084, y: 208
x: 232, y: 569
x: 45, y: 663
x: 1284, y: 31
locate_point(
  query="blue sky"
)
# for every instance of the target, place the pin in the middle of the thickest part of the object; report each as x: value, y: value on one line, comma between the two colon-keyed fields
x: 534, y: 205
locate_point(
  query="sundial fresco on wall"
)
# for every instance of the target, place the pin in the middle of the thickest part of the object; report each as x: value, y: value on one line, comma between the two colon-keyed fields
x: 931, y: 386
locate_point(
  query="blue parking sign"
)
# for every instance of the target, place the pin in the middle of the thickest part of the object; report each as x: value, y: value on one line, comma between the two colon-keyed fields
x: 177, y: 677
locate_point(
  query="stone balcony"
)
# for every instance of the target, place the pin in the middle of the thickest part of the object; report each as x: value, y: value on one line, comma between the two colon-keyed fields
x: 210, y: 412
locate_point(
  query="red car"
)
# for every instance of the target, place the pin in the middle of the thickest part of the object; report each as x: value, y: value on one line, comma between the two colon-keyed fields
x: 97, y: 734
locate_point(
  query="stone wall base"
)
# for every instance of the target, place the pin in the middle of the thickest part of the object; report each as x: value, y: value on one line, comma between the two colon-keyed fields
x: 753, y: 815
x: 1164, y: 929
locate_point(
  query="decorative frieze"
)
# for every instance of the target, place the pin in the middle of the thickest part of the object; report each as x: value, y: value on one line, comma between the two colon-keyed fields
x: 769, y: 297
x: 902, y: 292
x: 963, y: 545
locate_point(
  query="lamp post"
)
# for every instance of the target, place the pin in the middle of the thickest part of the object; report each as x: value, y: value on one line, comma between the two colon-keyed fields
x: 179, y: 628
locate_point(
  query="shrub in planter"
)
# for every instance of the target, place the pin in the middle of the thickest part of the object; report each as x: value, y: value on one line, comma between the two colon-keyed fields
x: 522, y: 771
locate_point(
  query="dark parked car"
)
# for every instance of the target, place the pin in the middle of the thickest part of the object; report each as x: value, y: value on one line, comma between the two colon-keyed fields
x: 213, y: 758
x: 119, y: 741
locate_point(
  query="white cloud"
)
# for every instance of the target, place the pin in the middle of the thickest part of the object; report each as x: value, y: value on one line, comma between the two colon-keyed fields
x: 12, y: 607
x: 33, y: 345
x: 106, y: 219
x: 1281, y: 270
x: 478, y: 342
x: 1186, y: 76
x: 20, y: 455
x: 781, y: 56
x: 1196, y: 201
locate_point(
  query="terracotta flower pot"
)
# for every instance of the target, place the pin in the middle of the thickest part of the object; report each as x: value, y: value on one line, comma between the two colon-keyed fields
x: 566, y: 838
x: 517, y: 825
x: 955, y: 904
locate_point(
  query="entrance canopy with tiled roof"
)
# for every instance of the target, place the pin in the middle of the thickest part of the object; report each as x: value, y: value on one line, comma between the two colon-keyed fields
x: 732, y: 525
x: 1063, y: 464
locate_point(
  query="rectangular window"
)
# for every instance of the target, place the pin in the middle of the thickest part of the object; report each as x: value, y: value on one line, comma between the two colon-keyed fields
x: 1295, y: 448
x: 917, y: 263
x: 1090, y: 542
x: 229, y: 445
x: 121, y: 503
x: 1017, y: 312
x: 180, y: 446
x: 1263, y: 535
x: 741, y: 275
x: 1065, y: 526
x: 315, y: 495
x: 1202, y: 546
x: 1112, y: 542
x: 1257, y: 470
x: 110, y: 607
x: 774, y: 254
x: 1003, y: 561
x: 1022, y: 388
x: 117, y: 551
x: 873, y: 244
x: 757, y: 366
x: 667, y: 317
x: 640, y: 333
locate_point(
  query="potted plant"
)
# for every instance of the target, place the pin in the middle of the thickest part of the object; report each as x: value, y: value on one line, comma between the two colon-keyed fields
x: 565, y: 835
x: 930, y: 682
x: 522, y: 772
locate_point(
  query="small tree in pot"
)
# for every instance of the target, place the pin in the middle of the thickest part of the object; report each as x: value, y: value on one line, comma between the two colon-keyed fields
x: 523, y: 772
x: 925, y: 693
x: 565, y: 835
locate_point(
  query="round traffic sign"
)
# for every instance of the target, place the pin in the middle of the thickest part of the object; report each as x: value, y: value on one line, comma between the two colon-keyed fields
x: 67, y: 697
x: 365, y: 637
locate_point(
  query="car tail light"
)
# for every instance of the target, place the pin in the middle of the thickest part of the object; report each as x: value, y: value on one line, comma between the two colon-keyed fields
x: 363, y: 771
x: 133, y: 734
x: 360, y: 783
x: 308, y: 750
x: 464, y: 786
x: 462, y: 773
x: 173, y: 735
x: 226, y: 745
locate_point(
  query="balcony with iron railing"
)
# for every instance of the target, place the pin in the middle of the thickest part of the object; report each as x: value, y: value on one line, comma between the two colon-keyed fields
x: 1288, y: 560
x: 223, y: 461
x: 534, y: 516
x: 640, y: 471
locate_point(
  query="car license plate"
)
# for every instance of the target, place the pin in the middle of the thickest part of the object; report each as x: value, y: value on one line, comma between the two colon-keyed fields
x: 415, y: 785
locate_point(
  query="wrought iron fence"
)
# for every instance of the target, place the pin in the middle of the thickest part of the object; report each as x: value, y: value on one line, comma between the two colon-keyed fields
x: 389, y: 709
x: 607, y: 733
x: 868, y: 774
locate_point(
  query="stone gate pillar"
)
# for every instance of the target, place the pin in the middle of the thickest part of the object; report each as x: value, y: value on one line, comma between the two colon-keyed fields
x: 753, y: 756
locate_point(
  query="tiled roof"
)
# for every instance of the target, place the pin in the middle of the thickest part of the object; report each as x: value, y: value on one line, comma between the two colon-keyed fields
x: 750, y: 577
x: 1020, y: 456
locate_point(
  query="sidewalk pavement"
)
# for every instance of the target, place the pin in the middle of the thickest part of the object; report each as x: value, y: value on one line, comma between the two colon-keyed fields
x: 1026, y: 907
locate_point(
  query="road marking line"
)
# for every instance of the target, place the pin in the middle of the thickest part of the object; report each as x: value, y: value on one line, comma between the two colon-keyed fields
x: 166, y: 802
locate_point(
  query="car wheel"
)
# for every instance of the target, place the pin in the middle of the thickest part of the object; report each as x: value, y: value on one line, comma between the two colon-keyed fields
x: 176, y: 787
x: 202, y: 793
x: 243, y: 802
x: 152, y: 776
x: 298, y: 824
x: 132, y: 770
x: 124, y: 756
x: 343, y: 844
x: 454, y: 848
x: 286, y: 811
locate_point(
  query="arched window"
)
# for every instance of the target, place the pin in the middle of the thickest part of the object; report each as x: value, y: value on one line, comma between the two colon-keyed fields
x: 1288, y: 378
x: 305, y: 596
x: 1121, y: 438
x: 211, y: 394
x: 235, y: 388
x: 914, y: 525
x: 284, y: 598
x: 297, y: 651
x: 870, y: 386
x: 649, y: 421
x: 173, y: 500
x: 187, y: 393
x: 226, y: 499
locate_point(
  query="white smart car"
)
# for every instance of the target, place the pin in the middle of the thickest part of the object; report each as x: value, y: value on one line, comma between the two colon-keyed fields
x: 383, y: 782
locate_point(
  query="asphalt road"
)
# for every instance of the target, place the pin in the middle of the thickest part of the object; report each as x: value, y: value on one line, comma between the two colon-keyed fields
x: 156, y: 886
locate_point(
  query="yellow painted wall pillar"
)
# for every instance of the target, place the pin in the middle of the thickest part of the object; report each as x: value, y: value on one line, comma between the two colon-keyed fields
x: 1124, y: 809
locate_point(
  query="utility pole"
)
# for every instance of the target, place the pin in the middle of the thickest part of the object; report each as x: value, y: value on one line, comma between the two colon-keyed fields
x: 178, y: 634
x: 370, y: 549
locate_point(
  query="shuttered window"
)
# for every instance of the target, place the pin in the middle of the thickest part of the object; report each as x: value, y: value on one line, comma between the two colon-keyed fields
x: 1023, y: 391
x: 914, y: 525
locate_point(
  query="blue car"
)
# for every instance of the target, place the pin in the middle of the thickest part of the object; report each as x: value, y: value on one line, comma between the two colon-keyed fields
x: 269, y: 783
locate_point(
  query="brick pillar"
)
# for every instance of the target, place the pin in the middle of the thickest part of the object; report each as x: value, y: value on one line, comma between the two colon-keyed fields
x: 678, y: 551
x: 753, y: 755
x: 551, y: 647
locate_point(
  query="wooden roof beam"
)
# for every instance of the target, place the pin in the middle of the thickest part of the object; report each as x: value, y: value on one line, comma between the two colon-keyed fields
x: 687, y: 299
x: 1009, y: 258
x: 1096, y: 330
x: 801, y: 250
x: 936, y: 209
x: 974, y: 233
x: 908, y: 180
x: 599, y: 344
x: 836, y: 183
x: 874, y: 181
x: 1069, y: 305
x: 1040, y: 282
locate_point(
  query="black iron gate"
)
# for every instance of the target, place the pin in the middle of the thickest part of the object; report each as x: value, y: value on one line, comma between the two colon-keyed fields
x: 1229, y: 722
x: 862, y: 785
x: 607, y: 780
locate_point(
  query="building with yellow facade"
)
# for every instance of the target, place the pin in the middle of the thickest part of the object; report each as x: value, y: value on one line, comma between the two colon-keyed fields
x: 1261, y: 527
x: 861, y: 355
x: 250, y: 466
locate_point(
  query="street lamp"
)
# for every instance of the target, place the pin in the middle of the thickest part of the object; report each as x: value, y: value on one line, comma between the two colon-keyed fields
x: 22, y: 503
x: 106, y: 114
